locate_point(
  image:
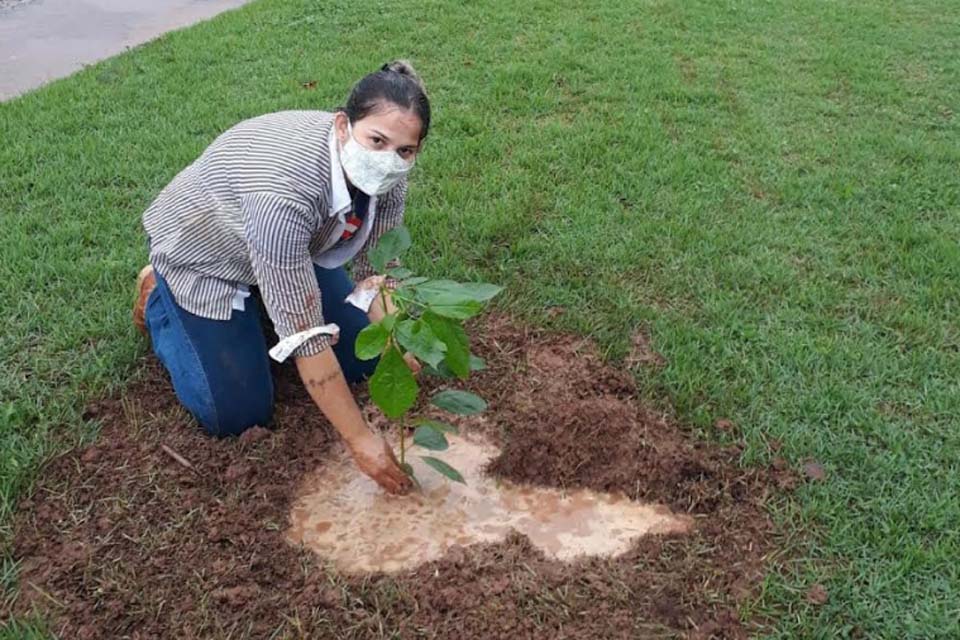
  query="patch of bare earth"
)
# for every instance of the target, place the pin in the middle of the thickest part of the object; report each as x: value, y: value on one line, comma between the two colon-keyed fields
x: 123, y: 539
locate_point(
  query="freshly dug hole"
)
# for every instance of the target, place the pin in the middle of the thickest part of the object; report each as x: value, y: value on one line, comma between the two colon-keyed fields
x: 120, y: 540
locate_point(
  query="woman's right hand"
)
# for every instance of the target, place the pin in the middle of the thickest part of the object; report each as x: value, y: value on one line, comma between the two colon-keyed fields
x: 324, y: 381
x: 374, y: 457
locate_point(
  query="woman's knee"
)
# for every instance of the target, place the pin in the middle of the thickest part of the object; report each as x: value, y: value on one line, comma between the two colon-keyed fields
x: 224, y: 417
x: 219, y: 369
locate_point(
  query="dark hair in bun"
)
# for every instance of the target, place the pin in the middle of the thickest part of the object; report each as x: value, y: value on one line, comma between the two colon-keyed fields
x: 395, y: 83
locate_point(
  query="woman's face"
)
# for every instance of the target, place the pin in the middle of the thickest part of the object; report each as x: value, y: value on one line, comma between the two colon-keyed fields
x: 387, y: 129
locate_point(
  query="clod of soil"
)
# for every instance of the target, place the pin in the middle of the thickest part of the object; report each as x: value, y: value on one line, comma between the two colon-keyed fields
x: 818, y: 595
x: 123, y: 540
x: 814, y: 471
x: 642, y: 353
x: 724, y: 425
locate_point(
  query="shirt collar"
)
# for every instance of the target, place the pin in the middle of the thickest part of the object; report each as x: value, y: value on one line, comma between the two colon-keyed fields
x: 339, y: 195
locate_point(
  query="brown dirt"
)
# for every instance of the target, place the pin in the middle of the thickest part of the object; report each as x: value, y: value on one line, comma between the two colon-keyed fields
x: 123, y: 540
x: 818, y: 595
x: 642, y: 353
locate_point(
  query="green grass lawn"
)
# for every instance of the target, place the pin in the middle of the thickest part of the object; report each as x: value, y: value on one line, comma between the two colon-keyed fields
x: 772, y: 189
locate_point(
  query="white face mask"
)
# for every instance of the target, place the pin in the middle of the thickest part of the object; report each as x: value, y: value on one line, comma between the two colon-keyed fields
x: 373, y: 172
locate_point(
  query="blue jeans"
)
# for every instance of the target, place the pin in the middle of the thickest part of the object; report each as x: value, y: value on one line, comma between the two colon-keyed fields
x: 220, y: 368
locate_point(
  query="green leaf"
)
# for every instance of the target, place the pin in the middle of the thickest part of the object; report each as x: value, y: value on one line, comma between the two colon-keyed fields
x: 458, y: 344
x: 417, y: 337
x: 455, y: 300
x: 450, y: 292
x: 392, y: 386
x: 481, y: 291
x: 458, y: 311
x: 412, y: 282
x: 399, y: 273
x: 462, y: 403
x: 371, y: 341
x: 429, y: 438
x: 443, y: 468
x: 477, y: 363
x: 440, y: 371
x: 389, y: 247
x: 436, y: 424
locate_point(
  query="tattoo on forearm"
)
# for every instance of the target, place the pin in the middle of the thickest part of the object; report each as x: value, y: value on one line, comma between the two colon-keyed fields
x: 312, y: 383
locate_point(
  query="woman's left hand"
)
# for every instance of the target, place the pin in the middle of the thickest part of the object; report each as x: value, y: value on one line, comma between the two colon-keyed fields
x: 378, y: 311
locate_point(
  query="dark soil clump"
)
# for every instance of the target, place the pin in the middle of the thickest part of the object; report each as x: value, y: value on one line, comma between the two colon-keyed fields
x: 580, y: 426
x: 159, y: 531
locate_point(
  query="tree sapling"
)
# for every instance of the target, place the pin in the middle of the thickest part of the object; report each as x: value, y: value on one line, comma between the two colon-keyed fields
x: 427, y: 323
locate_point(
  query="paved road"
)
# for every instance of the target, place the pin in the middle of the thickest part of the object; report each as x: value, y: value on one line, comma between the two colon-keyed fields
x: 41, y: 40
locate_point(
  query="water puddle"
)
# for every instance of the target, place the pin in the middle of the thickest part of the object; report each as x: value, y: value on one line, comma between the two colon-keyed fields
x: 344, y: 517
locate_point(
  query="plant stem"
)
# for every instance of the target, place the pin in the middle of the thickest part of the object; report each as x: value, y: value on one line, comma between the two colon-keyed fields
x: 383, y: 298
x: 396, y: 297
x: 403, y: 423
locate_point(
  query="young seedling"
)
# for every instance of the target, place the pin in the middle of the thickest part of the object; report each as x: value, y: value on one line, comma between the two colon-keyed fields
x: 428, y: 323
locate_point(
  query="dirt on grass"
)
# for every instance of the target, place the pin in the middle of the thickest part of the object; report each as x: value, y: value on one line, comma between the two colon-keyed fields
x: 156, y: 530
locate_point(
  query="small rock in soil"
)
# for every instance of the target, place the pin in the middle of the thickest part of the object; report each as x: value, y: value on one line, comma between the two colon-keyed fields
x: 236, y: 471
x: 254, y: 434
x: 724, y: 425
x: 817, y: 595
x: 90, y: 412
x: 815, y: 471
x: 237, y: 596
x: 330, y: 597
x: 87, y: 632
x: 643, y: 353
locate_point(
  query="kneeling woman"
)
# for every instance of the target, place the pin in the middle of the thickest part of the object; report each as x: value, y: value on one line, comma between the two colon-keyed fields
x: 276, y: 207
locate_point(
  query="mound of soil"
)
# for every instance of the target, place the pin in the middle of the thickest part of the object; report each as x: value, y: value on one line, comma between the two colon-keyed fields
x: 577, y: 424
x: 159, y: 531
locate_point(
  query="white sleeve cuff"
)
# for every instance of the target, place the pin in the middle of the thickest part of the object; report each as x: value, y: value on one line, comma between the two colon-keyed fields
x: 282, y: 350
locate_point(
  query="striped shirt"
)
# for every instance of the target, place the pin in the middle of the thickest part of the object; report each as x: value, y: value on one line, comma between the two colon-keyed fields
x: 262, y: 204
